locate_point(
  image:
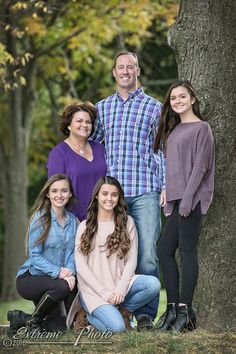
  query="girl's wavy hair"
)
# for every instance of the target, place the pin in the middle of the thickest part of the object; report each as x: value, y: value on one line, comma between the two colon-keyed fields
x: 43, y: 206
x: 118, y: 241
x: 169, y: 119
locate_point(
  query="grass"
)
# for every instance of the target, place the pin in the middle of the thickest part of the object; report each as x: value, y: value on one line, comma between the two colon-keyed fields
x: 24, y: 305
x: 197, y: 342
x: 28, y: 306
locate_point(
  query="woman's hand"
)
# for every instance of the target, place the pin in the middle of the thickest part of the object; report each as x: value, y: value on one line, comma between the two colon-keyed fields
x: 184, y: 215
x: 163, y: 198
x: 65, y: 272
x: 116, y: 299
x: 71, y: 281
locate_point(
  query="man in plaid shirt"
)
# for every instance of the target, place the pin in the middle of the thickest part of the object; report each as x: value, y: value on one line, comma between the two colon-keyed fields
x: 127, y: 123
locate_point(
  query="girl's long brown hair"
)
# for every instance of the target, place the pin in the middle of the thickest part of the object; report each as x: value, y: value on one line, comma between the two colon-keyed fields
x: 118, y: 241
x: 169, y: 119
x: 43, y: 205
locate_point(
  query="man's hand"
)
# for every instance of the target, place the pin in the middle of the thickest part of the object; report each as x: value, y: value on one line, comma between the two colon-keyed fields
x: 163, y: 198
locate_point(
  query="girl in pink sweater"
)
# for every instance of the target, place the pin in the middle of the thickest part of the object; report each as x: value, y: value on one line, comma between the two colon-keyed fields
x: 188, y: 144
x: 106, y: 256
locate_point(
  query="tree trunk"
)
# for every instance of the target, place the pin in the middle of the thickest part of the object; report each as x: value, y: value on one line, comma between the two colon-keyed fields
x: 14, y: 195
x: 15, y: 216
x: 203, y: 38
x: 14, y: 179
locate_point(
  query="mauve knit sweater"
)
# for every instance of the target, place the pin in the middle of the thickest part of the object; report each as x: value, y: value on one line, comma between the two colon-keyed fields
x: 190, y: 166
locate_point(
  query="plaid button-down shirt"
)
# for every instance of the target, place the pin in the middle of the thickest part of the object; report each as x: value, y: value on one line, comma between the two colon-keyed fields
x: 128, y: 128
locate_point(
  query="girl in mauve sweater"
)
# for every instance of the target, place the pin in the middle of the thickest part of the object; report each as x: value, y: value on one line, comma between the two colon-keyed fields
x: 188, y: 145
x: 106, y: 257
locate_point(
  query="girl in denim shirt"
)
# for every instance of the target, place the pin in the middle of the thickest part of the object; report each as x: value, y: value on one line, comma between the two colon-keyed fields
x: 48, y: 275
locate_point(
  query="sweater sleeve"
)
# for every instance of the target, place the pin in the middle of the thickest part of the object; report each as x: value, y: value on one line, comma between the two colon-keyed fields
x: 83, y: 269
x: 56, y: 162
x: 169, y: 207
x: 202, y: 162
x: 131, y: 261
x: 162, y: 170
x: 159, y: 155
x: 70, y: 254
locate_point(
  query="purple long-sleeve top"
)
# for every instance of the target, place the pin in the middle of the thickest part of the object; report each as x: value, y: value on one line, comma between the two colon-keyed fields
x: 190, y: 167
x: 83, y: 173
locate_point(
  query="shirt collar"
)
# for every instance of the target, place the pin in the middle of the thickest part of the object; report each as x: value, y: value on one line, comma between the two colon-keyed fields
x: 132, y: 95
x: 54, y: 217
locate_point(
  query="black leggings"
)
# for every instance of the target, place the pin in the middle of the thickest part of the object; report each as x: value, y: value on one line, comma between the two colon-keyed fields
x: 33, y: 287
x: 182, y: 233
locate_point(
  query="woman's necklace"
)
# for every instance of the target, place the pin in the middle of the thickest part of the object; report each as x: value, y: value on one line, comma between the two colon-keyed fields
x: 81, y: 151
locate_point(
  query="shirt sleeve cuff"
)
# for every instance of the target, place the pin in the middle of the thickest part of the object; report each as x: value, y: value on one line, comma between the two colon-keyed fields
x: 168, y: 208
x: 105, y: 294
x: 184, y: 209
x: 55, y: 273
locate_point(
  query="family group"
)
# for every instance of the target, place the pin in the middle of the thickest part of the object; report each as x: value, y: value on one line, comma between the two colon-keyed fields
x: 94, y: 240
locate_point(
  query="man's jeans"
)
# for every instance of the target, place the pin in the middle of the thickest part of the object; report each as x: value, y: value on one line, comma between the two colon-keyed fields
x: 145, y: 210
x: 107, y: 317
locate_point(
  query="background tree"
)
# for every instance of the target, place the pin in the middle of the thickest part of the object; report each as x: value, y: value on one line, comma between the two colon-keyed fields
x: 203, y: 38
x: 55, y: 51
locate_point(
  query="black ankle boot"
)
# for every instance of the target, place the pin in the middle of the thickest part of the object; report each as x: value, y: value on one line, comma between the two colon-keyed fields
x: 186, y: 319
x: 17, y: 320
x: 167, y: 320
x: 46, y: 305
x: 192, y: 318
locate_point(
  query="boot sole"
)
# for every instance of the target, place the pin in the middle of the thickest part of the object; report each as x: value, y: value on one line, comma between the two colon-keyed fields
x: 9, y: 316
x: 13, y: 328
x: 191, y: 326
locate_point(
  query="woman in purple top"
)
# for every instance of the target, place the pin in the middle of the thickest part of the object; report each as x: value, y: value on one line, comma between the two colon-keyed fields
x: 82, y: 160
x: 188, y: 145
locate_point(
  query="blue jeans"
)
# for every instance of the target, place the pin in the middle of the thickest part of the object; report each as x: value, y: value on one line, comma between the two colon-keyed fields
x: 107, y: 317
x: 146, y: 212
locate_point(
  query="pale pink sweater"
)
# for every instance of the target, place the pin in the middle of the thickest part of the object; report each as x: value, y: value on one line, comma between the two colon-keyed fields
x: 99, y: 276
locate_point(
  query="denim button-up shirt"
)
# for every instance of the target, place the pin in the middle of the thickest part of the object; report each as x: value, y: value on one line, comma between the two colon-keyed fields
x: 56, y: 251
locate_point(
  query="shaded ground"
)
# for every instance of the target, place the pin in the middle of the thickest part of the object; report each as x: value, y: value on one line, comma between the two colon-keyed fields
x: 198, y: 341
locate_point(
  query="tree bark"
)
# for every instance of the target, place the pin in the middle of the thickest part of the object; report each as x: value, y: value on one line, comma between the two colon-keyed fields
x: 15, y: 202
x: 203, y: 38
x: 14, y: 179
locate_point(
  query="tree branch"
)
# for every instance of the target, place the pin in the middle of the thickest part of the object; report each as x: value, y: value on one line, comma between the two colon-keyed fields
x: 69, y: 76
x: 54, y: 105
x: 57, y: 44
